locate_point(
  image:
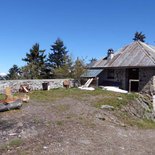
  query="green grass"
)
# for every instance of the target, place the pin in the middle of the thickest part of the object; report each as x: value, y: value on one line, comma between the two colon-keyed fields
x: 105, y: 97
x: 15, y: 142
x: 12, y: 144
x: 140, y: 123
x: 56, y: 94
x: 114, y: 99
x: 2, y: 96
x: 146, y: 124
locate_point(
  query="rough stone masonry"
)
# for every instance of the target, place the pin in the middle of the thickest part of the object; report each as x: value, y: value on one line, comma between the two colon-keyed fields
x: 33, y: 84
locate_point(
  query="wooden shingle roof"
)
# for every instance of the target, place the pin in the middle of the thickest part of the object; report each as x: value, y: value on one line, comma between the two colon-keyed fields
x: 137, y: 54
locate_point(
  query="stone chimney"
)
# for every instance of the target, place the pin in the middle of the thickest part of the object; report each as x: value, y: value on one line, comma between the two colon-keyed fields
x: 110, y: 54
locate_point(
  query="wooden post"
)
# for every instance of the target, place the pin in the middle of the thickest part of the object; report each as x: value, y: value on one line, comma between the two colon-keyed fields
x: 97, y: 81
x: 129, y: 85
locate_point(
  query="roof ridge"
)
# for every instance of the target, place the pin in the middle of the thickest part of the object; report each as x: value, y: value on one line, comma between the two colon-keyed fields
x: 148, y: 46
x: 145, y: 51
x: 119, y: 54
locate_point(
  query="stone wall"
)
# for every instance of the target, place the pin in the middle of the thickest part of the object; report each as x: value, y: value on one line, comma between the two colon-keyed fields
x: 146, y: 80
x: 119, y: 78
x: 33, y: 84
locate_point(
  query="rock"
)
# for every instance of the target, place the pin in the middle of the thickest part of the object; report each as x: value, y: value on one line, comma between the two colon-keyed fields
x: 99, y: 116
x: 102, y: 118
x: 45, y: 147
x: 19, y: 136
x: 84, y: 141
x: 109, y: 107
x: 12, y: 134
x: 119, y: 98
x: 20, y: 124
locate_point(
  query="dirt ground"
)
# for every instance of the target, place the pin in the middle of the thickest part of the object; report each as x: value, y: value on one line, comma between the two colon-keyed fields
x: 70, y: 127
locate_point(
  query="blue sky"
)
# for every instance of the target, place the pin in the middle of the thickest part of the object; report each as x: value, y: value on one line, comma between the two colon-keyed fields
x: 87, y: 27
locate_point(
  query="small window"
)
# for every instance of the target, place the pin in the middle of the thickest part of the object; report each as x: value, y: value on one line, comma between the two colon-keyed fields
x: 110, y: 74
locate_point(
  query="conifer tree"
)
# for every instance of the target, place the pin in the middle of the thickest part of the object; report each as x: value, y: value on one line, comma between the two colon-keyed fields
x: 58, y: 54
x: 35, y: 62
x: 14, y: 73
x: 139, y: 36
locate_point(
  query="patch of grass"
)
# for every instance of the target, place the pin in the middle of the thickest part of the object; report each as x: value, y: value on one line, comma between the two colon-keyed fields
x: 106, y: 97
x: 140, y: 123
x: 3, y: 148
x: 147, y: 124
x: 136, y: 122
x: 12, y: 144
x: 55, y: 94
x: 2, y: 96
x: 15, y: 142
x: 109, y: 101
x: 114, y: 99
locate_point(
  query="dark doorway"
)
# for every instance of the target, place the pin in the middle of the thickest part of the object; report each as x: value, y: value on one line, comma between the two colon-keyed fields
x: 133, y: 79
x: 134, y: 85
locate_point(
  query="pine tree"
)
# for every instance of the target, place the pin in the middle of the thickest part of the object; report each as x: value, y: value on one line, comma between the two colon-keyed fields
x: 139, y: 37
x: 58, y: 54
x: 14, y: 73
x: 35, y: 63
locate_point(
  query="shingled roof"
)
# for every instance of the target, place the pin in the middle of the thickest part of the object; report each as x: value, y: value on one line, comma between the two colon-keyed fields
x: 137, y: 54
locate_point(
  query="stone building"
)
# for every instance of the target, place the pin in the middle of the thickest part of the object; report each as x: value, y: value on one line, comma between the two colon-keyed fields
x: 131, y: 68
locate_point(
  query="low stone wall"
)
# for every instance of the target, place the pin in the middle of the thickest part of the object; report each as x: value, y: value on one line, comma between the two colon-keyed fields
x: 33, y: 84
